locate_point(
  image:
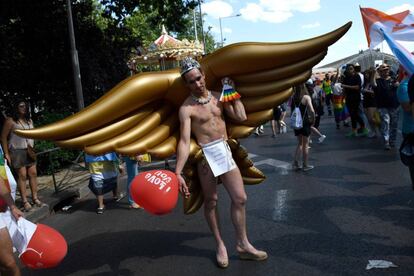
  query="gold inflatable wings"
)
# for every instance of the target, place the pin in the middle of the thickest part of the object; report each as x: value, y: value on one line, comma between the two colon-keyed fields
x: 140, y: 113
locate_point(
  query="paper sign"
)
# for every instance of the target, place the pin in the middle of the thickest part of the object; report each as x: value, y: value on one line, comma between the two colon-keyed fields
x: 218, y: 156
x: 20, y: 232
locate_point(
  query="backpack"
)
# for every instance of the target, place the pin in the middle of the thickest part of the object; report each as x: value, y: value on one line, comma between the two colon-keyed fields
x: 296, y: 120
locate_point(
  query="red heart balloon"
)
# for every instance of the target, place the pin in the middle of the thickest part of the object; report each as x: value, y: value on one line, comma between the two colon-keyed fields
x: 156, y: 191
x: 46, y: 248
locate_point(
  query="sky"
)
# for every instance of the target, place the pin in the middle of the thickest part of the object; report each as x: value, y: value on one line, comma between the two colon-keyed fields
x: 292, y: 20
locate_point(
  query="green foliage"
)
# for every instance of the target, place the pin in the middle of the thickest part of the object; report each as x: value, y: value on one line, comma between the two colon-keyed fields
x: 55, y: 160
x: 35, y: 55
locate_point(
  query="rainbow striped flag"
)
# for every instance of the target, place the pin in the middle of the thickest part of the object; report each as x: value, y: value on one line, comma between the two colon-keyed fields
x: 229, y: 94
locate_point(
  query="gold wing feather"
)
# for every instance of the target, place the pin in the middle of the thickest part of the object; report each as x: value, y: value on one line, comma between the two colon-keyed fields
x: 139, y: 115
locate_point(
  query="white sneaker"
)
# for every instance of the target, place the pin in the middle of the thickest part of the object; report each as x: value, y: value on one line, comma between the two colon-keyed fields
x: 307, y: 168
x: 321, y: 139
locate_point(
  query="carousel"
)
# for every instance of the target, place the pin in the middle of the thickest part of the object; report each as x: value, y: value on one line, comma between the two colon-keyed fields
x: 164, y: 53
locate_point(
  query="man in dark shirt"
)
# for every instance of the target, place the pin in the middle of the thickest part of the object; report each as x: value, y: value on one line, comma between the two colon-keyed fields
x: 385, y: 89
x: 352, y: 90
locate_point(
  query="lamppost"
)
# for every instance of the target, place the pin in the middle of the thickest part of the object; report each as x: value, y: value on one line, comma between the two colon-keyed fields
x: 75, y: 61
x: 221, y: 30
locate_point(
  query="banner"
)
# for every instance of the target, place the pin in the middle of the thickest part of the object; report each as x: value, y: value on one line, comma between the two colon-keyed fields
x: 380, y: 26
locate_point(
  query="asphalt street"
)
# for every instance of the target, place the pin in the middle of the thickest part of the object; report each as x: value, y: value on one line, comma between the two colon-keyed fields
x: 355, y: 206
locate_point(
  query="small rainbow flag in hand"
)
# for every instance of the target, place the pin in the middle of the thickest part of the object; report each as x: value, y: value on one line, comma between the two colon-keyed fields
x: 229, y: 94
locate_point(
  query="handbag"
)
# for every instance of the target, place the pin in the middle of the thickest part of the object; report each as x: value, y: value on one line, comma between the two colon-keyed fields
x: 31, y: 152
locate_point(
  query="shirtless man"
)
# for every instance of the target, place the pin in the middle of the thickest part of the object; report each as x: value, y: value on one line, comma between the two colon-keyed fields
x: 201, y: 114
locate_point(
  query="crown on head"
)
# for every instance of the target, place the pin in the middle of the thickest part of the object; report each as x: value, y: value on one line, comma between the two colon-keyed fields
x: 188, y: 64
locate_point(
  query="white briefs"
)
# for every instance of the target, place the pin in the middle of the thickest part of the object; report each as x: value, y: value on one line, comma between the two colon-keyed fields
x: 219, y: 157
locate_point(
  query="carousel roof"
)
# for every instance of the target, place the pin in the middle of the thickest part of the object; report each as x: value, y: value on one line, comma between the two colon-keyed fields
x: 167, y: 47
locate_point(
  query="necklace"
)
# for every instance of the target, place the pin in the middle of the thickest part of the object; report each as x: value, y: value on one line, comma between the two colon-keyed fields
x: 202, y: 100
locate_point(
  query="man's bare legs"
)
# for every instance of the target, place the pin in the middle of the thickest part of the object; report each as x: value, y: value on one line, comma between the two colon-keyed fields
x: 233, y: 183
x: 8, y: 266
x: 209, y: 185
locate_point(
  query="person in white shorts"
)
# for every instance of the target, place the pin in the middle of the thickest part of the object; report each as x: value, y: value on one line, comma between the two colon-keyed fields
x: 8, y: 265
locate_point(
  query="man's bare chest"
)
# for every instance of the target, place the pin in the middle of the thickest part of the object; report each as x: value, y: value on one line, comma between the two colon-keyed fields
x: 202, y: 114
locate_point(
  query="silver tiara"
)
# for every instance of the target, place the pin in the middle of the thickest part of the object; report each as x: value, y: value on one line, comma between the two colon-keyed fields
x: 188, y: 64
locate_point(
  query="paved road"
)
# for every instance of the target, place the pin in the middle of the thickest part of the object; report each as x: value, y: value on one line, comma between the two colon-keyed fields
x: 356, y: 205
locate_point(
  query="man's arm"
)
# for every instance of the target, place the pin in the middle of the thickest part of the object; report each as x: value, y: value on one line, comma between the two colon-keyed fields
x: 183, y: 148
x: 8, y: 125
x: 6, y: 196
x: 235, y: 110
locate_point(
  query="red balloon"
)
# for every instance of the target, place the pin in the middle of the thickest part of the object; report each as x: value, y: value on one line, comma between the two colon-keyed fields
x: 46, y: 248
x: 156, y: 191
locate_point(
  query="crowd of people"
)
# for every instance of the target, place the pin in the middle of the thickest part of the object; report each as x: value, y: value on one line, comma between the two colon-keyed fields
x: 367, y: 102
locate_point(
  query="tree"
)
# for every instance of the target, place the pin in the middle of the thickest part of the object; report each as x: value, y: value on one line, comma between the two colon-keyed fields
x: 34, y: 51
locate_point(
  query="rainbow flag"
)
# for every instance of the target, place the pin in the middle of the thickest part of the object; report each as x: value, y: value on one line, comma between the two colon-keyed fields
x: 229, y: 94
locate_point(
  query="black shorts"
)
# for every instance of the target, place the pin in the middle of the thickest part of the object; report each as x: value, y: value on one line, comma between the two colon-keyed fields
x: 305, y: 130
x: 369, y: 101
x: 101, y: 187
x: 277, y: 113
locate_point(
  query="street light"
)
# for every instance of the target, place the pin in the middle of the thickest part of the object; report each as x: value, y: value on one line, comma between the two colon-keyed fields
x: 221, y: 30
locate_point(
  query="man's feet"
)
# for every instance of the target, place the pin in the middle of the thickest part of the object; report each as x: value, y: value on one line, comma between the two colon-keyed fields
x: 321, y: 139
x: 222, y: 258
x: 251, y: 254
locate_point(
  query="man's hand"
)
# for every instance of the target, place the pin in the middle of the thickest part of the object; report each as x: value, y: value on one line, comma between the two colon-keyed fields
x: 183, y: 186
x: 16, y: 212
x: 229, y: 81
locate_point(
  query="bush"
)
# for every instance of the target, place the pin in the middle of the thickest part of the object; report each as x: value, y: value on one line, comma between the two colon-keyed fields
x: 55, y: 160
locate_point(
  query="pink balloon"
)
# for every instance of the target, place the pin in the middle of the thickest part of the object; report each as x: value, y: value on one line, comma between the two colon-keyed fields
x: 156, y: 191
x: 46, y: 248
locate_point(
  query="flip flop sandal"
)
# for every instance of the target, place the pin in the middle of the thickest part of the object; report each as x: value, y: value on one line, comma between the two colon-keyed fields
x: 27, y: 206
x: 37, y: 202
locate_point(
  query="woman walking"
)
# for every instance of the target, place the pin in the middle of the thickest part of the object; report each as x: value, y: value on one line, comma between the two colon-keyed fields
x: 369, y: 101
x: 302, y: 100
